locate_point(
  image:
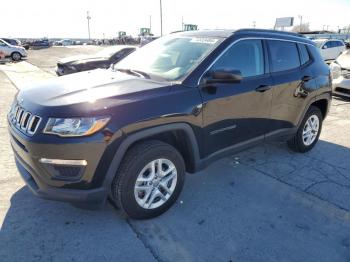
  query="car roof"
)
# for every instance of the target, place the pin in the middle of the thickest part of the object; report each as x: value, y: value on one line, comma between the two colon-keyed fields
x: 263, y: 33
x: 326, y: 39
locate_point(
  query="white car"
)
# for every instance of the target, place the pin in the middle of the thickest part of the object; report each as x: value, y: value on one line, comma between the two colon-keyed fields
x: 340, y: 69
x: 330, y: 48
x: 15, y: 52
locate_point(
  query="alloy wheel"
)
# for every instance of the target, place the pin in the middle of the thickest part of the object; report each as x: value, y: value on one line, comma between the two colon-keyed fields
x: 310, y: 130
x: 155, y: 183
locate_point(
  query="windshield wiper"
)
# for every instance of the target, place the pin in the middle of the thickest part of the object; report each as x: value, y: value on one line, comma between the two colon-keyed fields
x: 134, y: 72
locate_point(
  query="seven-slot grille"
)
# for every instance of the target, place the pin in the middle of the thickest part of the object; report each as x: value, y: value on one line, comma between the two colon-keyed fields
x: 24, y: 120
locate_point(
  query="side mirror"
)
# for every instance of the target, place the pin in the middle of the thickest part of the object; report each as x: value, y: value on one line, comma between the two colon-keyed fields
x: 325, y: 47
x: 223, y: 76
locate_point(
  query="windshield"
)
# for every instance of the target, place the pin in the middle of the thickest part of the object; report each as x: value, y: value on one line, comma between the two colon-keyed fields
x: 344, y: 59
x: 319, y: 43
x: 170, y: 57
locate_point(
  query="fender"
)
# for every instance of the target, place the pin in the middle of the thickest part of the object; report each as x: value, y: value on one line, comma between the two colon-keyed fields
x: 130, y: 139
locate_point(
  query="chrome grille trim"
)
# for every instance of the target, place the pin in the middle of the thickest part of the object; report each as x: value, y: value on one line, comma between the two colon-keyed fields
x: 24, y: 120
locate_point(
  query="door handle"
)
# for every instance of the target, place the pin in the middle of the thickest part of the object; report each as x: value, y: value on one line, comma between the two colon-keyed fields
x: 306, y: 78
x: 262, y: 88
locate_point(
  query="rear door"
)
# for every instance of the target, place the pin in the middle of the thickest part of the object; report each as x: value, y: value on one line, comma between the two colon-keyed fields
x: 287, y: 76
x: 236, y: 113
x: 334, y: 49
x: 340, y: 48
x: 327, y: 50
x: 5, y: 48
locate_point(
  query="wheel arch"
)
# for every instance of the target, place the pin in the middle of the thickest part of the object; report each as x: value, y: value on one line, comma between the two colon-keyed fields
x: 15, y: 52
x: 323, y: 105
x: 171, y: 134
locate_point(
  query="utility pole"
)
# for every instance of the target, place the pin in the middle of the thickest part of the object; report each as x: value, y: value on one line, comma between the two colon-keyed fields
x: 182, y: 23
x: 301, y: 23
x: 161, y: 18
x: 88, y: 17
x: 150, y: 24
x: 254, y: 24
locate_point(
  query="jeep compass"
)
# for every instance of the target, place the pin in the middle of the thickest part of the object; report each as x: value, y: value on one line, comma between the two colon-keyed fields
x: 130, y: 133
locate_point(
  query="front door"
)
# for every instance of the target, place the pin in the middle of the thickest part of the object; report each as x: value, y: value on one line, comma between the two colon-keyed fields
x: 235, y: 113
x: 4, y: 48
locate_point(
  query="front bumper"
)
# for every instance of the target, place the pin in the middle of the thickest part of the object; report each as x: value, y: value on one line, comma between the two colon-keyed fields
x: 46, y: 180
x: 341, y: 86
x: 40, y: 189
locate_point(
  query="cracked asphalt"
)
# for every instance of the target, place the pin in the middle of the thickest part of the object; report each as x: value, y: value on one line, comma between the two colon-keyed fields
x: 264, y: 204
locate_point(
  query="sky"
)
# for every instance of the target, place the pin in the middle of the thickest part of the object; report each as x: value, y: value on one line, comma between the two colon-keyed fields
x: 67, y: 18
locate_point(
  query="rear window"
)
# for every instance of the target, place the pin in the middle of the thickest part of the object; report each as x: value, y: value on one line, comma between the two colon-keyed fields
x: 304, y: 54
x: 284, y: 55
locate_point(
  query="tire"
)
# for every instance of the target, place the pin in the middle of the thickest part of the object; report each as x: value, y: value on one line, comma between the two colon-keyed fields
x: 301, y: 144
x: 16, y: 56
x: 127, y: 187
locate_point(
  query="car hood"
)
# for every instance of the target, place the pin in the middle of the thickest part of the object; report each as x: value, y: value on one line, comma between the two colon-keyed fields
x: 81, y: 59
x: 344, y: 60
x: 87, y: 91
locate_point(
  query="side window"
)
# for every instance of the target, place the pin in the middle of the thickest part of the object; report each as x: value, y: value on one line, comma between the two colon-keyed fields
x: 333, y: 44
x: 2, y: 43
x: 284, y: 55
x: 304, y: 54
x: 246, y: 56
x: 339, y: 43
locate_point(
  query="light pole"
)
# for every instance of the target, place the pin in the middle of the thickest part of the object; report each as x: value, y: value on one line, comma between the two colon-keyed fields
x: 161, y: 18
x: 301, y: 23
x: 150, y: 24
x: 88, y: 17
x: 254, y: 24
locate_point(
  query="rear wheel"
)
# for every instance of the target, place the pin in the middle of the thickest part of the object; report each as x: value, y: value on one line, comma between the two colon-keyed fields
x: 149, y: 180
x: 309, y: 131
x: 16, y: 56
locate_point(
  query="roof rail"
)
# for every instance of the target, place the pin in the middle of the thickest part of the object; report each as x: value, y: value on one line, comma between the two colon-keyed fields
x: 269, y: 31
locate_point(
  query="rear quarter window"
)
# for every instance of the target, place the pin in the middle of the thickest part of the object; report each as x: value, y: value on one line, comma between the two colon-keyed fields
x: 304, y: 54
x: 284, y: 55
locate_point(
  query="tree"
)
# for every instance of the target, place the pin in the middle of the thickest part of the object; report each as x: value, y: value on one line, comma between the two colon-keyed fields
x: 304, y: 27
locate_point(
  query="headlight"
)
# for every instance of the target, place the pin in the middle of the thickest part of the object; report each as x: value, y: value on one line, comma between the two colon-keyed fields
x: 335, y: 70
x: 69, y: 127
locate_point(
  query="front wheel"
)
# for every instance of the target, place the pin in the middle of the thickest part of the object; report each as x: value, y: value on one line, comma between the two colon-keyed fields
x: 309, y: 131
x: 149, y: 180
x: 16, y: 56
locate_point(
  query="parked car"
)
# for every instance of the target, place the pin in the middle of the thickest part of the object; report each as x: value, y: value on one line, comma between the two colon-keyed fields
x: 65, y: 42
x: 43, y: 43
x: 340, y: 69
x: 144, y: 40
x: 15, y: 42
x: 173, y: 106
x: 103, y: 59
x: 347, y: 43
x: 15, y: 52
x: 330, y: 48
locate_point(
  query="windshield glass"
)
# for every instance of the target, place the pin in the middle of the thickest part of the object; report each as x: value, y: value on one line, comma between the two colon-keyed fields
x: 319, y: 43
x: 170, y: 57
x: 344, y: 59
